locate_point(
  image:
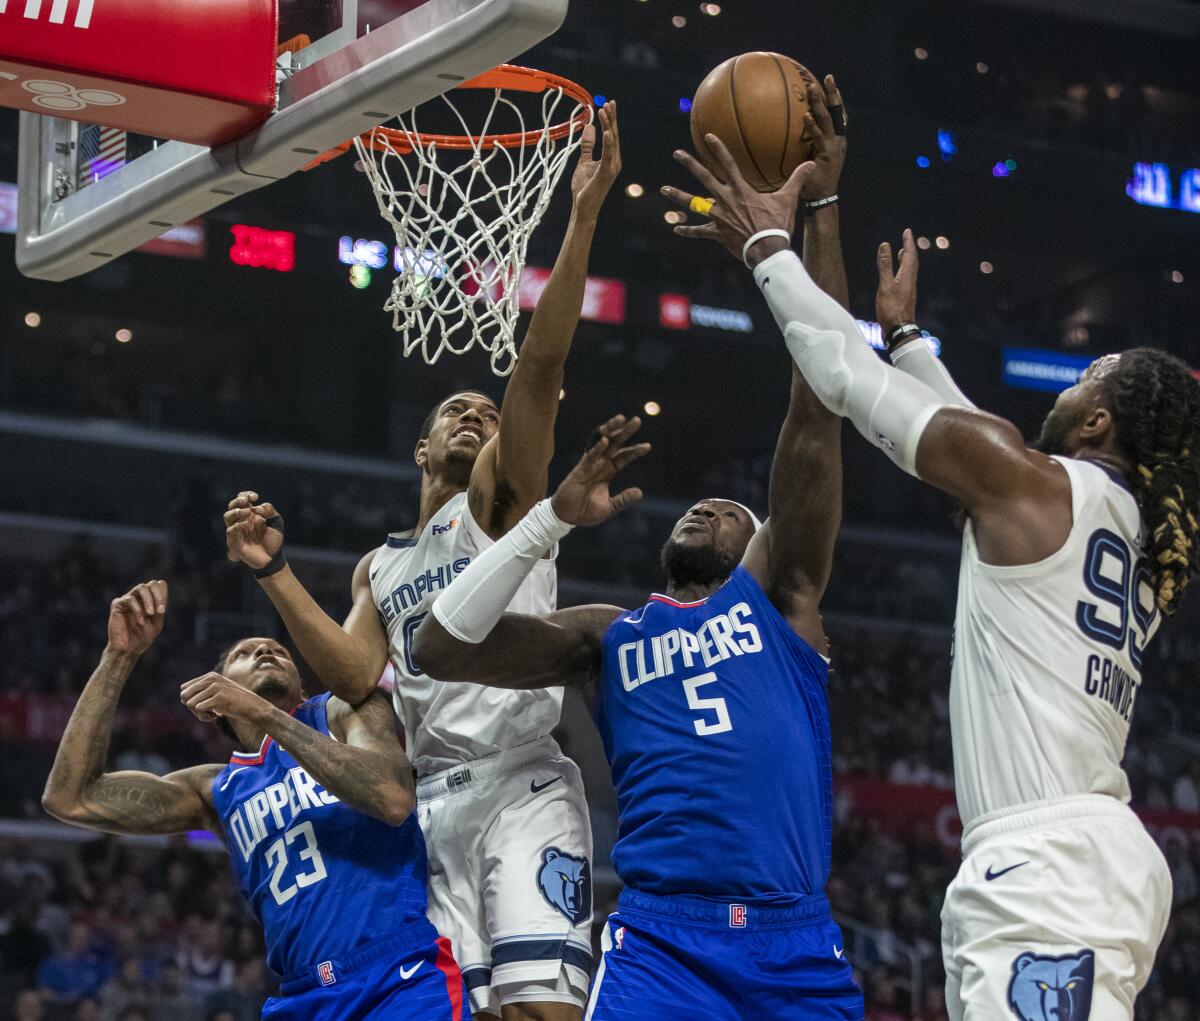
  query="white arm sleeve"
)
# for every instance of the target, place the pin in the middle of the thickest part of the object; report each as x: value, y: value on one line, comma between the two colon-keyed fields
x: 478, y: 598
x: 889, y: 408
x: 918, y: 361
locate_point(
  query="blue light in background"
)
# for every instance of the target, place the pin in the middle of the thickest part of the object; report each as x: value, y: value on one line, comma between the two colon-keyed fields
x: 947, y: 146
x: 1000, y: 169
x: 1032, y: 368
x: 599, y: 99
x: 1150, y: 185
x: 685, y: 105
x: 923, y: 162
x: 1189, y: 190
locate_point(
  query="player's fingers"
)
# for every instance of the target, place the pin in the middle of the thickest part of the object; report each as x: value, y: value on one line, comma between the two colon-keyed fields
x: 232, y: 517
x: 614, y: 130
x: 812, y: 130
x: 699, y: 171
x: 833, y: 95
x: 612, y: 426
x: 819, y: 109
x: 883, y: 259
x: 628, y: 455
x: 707, y: 231
x: 725, y: 158
x: 266, y: 510
x: 678, y: 196
x: 621, y: 435
x: 626, y: 498
x: 796, y: 182
x: 145, y: 599
x: 158, y: 589
x: 910, y: 261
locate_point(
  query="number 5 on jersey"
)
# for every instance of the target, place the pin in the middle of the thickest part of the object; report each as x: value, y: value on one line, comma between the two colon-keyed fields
x: 715, y: 705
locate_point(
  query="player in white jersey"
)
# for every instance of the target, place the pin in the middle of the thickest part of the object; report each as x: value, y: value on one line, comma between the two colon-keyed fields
x: 503, y: 811
x: 1073, y: 551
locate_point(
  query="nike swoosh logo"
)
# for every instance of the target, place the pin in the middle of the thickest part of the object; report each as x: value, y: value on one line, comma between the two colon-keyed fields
x: 990, y: 875
x: 407, y: 973
x: 536, y: 788
x: 839, y: 953
x: 232, y: 774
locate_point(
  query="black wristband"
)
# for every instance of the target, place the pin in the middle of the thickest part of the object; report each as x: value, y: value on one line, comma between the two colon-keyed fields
x: 279, y: 561
x: 902, y: 332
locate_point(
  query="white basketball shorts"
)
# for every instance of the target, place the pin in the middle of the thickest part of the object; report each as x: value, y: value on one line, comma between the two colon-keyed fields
x: 1055, y: 915
x: 510, y: 851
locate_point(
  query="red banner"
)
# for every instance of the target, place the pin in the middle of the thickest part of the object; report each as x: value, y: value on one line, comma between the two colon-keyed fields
x: 902, y: 810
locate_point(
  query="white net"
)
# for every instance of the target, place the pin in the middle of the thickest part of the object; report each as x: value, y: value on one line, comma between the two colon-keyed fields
x: 463, y: 219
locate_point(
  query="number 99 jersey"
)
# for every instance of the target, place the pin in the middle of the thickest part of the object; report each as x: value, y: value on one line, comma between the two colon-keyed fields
x: 321, y: 877
x: 1048, y: 657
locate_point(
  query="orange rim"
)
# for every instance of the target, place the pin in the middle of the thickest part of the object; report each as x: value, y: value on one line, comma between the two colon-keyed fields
x: 506, y: 76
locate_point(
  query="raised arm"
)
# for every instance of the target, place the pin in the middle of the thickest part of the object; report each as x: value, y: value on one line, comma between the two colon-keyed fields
x: 348, y: 658
x: 366, y: 768
x: 78, y: 790
x: 512, y: 472
x: 1019, y: 499
x: 469, y: 637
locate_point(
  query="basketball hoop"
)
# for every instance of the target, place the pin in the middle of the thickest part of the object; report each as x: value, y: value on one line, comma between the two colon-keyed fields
x: 463, y: 208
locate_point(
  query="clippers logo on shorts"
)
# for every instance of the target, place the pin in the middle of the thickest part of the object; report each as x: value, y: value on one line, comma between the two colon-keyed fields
x: 448, y: 527
x: 1052, y: 988
x: 566, y: 883
x: 325, y: 973
x: 737, y: 916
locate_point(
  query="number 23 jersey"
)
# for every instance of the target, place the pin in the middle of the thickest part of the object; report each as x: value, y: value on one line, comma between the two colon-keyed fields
x: 321, y: 877
x: 1048, y: 657
x: 715, y: 720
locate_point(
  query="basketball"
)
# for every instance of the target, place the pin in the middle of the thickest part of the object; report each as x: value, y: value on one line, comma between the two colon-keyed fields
x: 755, y: 104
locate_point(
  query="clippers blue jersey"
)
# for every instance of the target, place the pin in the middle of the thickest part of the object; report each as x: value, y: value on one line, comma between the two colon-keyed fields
x: 715, y: 720
x: 322, y: 878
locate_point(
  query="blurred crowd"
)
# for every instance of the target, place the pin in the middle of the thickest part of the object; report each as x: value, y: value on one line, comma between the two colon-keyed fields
x: 109, y: 930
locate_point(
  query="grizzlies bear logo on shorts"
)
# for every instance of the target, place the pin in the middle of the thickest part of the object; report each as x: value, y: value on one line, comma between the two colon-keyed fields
x: 566, y: 883
x: 1052, y: 988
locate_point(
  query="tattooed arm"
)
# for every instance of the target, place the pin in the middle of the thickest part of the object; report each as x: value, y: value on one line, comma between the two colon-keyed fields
x: 364, y: 765
x: 78, y: 790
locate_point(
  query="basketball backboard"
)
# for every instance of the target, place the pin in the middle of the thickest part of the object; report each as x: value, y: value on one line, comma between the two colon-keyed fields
x: 88, y: 194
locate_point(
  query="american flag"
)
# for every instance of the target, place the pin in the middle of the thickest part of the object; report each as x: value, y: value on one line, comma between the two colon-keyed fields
x: 101, y: 151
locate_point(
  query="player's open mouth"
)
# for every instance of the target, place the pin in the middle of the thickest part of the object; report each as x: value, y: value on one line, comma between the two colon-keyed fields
x: 473, y: 433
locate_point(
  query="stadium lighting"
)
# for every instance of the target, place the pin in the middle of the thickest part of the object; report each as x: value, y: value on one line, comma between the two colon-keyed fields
x: 712, y: 10
x: 923, y: 243
x: 921, y: 53
x: 982, y: 68
x: 635, y: 191
x: 986, y: 267
x: 33, y: 320
x: 674, y: 216
x: 124, y: 336
x: 652, y: 408
x: 1176, y: 277
x: 679, y: 21
x: 942, y: 241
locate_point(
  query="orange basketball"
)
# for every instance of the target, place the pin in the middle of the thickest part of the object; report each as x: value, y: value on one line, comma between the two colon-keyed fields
x: 755, y: 104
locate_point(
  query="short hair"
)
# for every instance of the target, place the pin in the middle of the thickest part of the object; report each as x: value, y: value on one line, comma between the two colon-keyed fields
x: 427, y: 425
x: 1155, y: 404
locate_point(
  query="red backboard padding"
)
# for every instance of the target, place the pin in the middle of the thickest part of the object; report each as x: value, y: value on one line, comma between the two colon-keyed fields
x: 200, y: 71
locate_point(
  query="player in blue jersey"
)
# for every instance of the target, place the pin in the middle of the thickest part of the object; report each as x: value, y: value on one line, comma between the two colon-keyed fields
x: 711, y: 702
x: 318, y: 821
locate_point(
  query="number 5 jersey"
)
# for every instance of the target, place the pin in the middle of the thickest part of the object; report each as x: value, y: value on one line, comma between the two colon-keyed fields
x: 321, y: 877
x: 1048, y: 657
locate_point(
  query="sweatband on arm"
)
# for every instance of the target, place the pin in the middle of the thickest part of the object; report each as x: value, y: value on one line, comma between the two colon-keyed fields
x: 889, y: 408
x: 478, y: 598
x: 916, y: 359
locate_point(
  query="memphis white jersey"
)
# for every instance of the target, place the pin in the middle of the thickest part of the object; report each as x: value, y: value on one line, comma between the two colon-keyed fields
x: 1048, y: 657
x: 446, y: 724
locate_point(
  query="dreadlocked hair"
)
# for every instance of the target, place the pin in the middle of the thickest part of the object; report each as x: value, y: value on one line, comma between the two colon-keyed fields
x: 1155, y: 403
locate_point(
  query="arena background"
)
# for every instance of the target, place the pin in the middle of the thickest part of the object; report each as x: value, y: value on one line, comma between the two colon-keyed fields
x: 1049, y: 150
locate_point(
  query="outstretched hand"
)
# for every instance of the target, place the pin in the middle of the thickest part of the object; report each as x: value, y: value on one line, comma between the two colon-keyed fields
x: 593, y: 178
x: 583, y: 497
x: 739, y: 211
x: 896, y: 299
x: 136, y: 618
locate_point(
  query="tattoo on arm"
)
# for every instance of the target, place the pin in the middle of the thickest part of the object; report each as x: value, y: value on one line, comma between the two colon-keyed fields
x: 369, y: 771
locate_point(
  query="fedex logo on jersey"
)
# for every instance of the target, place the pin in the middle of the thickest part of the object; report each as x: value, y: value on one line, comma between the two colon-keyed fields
x: 274, y: 808
x: 718, y: 639
x: 410, y: 593
x: 449, y: 526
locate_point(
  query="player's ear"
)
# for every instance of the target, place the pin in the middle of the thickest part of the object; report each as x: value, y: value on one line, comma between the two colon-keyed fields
x: 420, y: 452
x: 1098, y: 423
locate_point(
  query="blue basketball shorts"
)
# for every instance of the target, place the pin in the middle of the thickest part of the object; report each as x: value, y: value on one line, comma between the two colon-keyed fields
x: 411, y: 974
x: 677, y: 957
